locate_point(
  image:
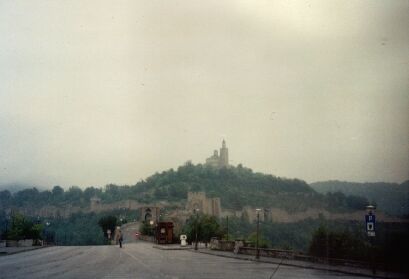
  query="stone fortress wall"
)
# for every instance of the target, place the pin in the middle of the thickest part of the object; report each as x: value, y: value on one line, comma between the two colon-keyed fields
x: 209, y: 206
x: 199, y: 201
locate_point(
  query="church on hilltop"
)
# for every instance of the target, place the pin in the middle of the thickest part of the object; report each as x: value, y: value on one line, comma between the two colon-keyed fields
x: 219, y: 161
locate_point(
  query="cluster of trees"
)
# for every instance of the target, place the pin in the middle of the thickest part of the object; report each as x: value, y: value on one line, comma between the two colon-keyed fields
x: 387, y: 250
x: 202, y: 228
x: 339, y: 200
x: 338, y: 244
x: 391, y: 197
x: 237, y: 187
x: 20, y: 227
x: 59, y: 197
x: 78, y: 229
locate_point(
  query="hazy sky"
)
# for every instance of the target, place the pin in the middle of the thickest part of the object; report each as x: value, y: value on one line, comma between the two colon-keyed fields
x: 93, y: 92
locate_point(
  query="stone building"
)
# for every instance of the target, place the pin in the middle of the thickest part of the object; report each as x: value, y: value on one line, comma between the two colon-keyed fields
x: 219, y: 160
x: 198, y: 200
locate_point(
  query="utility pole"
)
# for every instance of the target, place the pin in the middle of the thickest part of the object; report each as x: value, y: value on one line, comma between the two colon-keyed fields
x: 227, y: 220
x: 196, y: 226
x: 258, y: 225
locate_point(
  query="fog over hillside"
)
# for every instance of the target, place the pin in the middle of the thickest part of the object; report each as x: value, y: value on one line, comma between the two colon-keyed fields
x: 93, y: 92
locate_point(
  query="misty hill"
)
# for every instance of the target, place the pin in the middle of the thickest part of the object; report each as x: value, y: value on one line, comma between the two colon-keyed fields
x: 236, y: 186
x: 392, y: 198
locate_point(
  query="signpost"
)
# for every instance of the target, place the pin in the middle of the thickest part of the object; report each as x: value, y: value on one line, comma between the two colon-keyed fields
x: 370, y: 230
x: 370, y: 224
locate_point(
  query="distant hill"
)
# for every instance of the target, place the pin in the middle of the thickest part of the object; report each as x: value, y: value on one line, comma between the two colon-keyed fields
x: 236, y: 186
x: 392, y: 198
x: 240, y: 186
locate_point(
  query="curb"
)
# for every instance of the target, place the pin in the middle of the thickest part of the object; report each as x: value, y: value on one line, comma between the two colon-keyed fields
x: 301, y: 266
x: 5, y: 253
x: 171, y: 248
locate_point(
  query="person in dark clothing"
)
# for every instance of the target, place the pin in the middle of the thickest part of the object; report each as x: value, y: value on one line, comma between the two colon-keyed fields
x: 120, y: 238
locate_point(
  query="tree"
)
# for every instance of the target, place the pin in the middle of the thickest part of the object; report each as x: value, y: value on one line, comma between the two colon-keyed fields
x: 74, y: 195
x: 356, y: 202
x: 26, y: 196
x: 209, y: 228
x: 334, y: 244
x: 57, y: 193
x: 17, y: 227
x: 35, y: 231
x: 91, y: 192
x: 206, y: 226
x: 147, y: 229
x: 21, y: 228
x: 5, y: 198
x: 262, y: 241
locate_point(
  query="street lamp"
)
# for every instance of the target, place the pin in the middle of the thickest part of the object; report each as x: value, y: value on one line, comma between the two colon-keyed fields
x: 196, y: 225
x: 227, y: 221
x: 151, y: 222
x: 258, y: 225
x: 46, y: 233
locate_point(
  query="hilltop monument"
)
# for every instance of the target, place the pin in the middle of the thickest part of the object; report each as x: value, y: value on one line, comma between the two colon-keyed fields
x: 219, y: 161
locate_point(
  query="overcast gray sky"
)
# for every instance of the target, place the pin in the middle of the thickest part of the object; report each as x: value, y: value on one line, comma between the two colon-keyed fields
x: 93, y: 92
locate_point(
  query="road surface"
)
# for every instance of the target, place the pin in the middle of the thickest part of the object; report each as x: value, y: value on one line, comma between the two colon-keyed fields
x: 140, y: 260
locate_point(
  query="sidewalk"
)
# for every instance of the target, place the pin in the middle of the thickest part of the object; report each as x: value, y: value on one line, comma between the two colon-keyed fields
x: 304, y: 264
x: 172, y: 247
x: 4, y: 251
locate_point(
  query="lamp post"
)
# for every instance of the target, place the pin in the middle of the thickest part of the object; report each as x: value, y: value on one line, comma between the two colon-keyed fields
x: 196, y: 210
x: 153, y: 231
x: 258, y: 225
x: 227, y: 221
x: 46, y: 233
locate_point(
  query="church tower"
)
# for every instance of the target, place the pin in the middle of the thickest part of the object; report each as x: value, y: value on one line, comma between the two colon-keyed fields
x: 224, y: 155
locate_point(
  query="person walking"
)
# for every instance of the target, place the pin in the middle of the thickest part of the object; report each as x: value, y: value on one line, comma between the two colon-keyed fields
x: 120, y: 238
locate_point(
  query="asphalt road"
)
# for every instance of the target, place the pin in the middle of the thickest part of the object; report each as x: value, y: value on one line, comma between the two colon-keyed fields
x: 140, y: 260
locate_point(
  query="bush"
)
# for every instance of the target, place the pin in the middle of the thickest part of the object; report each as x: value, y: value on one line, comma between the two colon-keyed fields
x: 21, y: 228
x: 339, y: 245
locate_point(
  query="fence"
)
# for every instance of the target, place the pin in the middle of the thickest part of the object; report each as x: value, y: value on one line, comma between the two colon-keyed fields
x: 242, y: 247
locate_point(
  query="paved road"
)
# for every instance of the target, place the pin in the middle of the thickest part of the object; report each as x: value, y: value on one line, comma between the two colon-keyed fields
x: 140, y: 260
x: 129, y: 230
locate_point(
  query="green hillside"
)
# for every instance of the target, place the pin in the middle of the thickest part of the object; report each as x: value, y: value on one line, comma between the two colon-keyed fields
x: 236, y: 186
x: 392, y: 198
x: 240, y: 186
